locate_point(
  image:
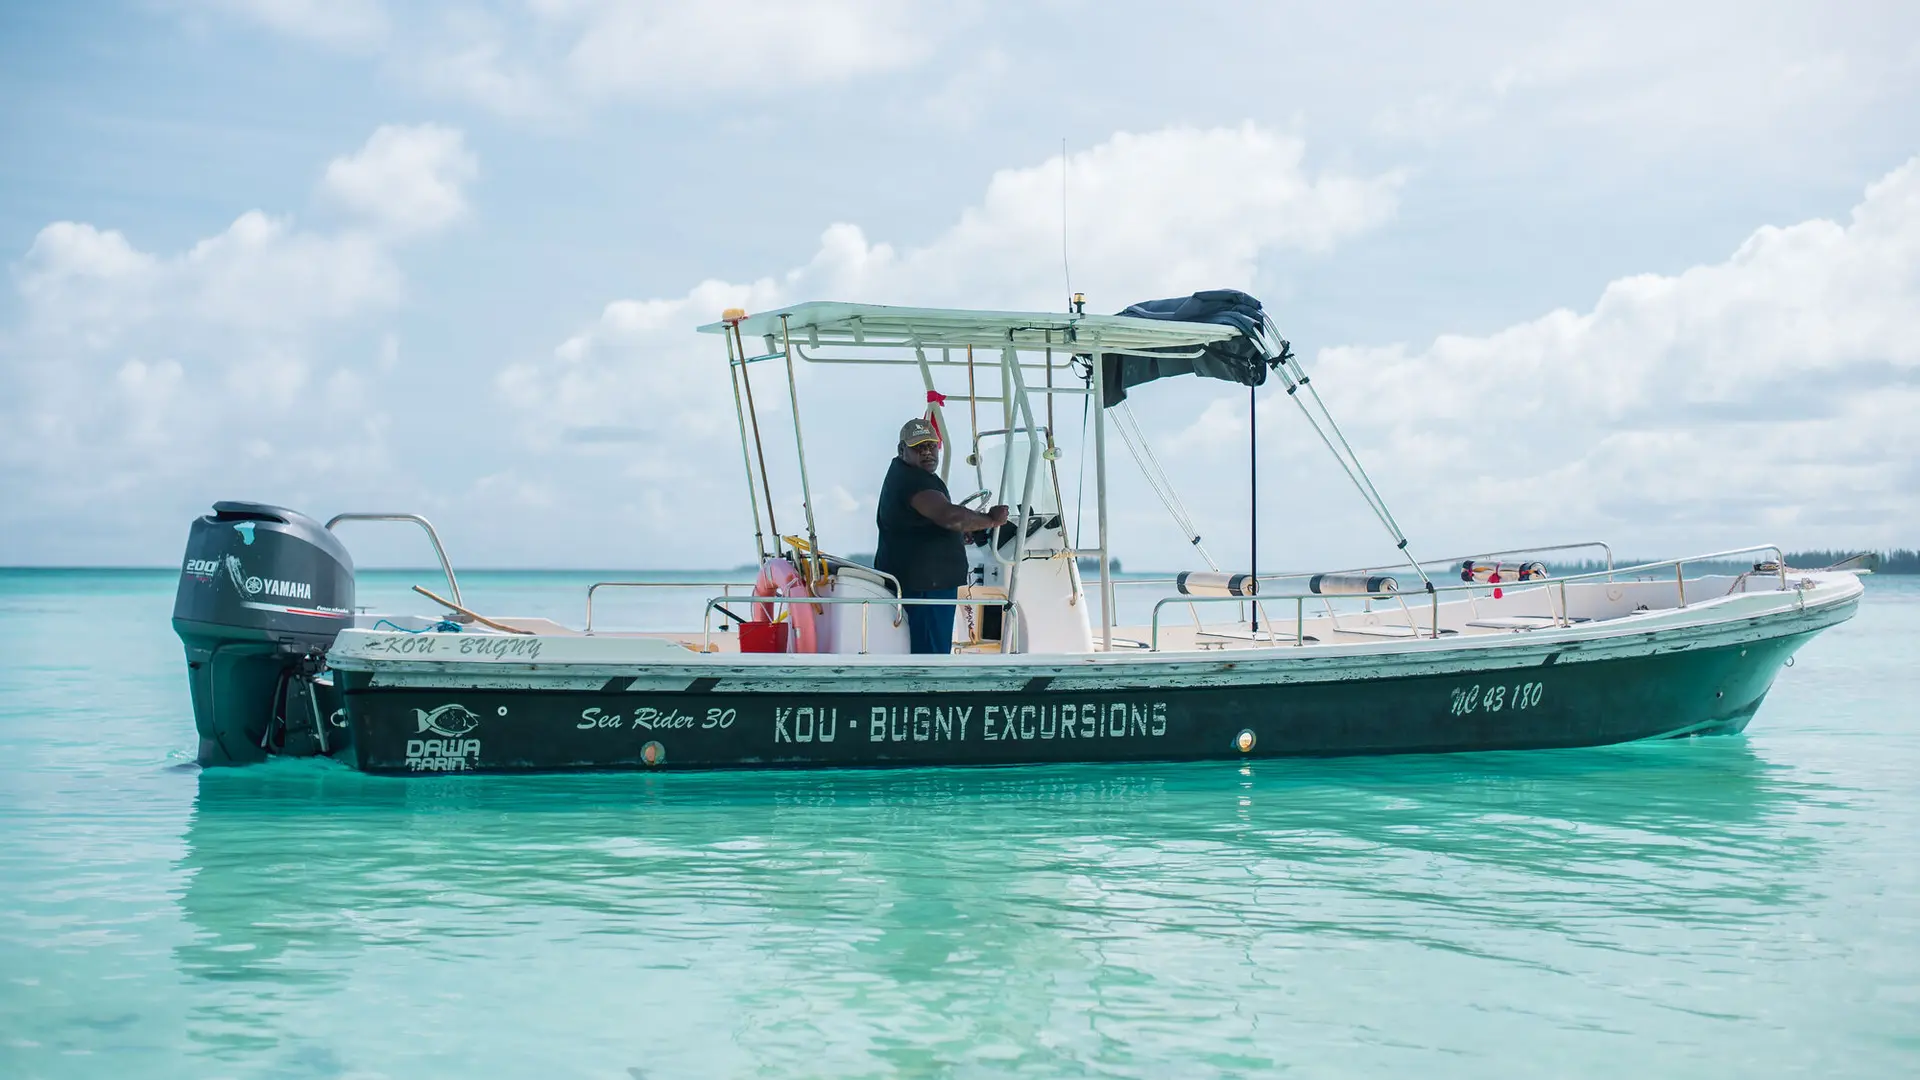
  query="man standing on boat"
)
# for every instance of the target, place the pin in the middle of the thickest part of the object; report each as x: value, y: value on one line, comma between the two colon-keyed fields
x: 920, y: 530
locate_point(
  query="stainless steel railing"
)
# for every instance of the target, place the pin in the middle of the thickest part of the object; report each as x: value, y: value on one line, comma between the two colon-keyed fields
x: 1260, y: 603
x: 728, y: 586
x: 445, y: 566
x: 1009, y: 641
x: 1604, y: 548
x: 1453, y: 559
x: 1561, y: 619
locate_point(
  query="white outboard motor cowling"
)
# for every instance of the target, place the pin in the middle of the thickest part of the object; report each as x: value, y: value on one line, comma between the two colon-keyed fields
x: 263, y: 593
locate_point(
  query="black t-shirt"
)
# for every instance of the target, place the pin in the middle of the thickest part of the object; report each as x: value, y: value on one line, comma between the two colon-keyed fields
x: 912, y: 548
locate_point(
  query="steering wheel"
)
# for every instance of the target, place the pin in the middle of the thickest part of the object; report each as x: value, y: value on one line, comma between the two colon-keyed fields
x: 982, y: 495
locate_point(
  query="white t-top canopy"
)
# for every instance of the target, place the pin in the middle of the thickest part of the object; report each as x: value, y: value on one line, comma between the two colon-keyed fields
x: 818, y: 323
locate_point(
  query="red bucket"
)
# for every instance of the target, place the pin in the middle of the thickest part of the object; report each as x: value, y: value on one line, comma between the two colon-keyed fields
x: 763, y: 637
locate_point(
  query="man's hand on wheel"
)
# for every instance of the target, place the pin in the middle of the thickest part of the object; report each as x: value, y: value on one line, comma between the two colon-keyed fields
x: 998, y: 515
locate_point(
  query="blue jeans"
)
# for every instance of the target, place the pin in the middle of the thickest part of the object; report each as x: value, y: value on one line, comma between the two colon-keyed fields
x: 930, y: 627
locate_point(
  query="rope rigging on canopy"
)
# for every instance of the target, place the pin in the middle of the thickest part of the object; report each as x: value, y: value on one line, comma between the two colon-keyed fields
x: 1245, y: 358
x: 1129, y: 428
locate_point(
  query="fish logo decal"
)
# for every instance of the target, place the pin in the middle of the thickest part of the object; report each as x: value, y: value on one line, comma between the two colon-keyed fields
x: 448, y: 720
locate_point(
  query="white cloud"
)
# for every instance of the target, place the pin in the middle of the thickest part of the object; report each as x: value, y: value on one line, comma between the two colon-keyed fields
x: 1766, y: 397
x: 408, y: 179
x: 633, y: 376
x: 662, y: 48
x: 478, y: 69
x: 961, y: 99
x: 139, y: 377
x: 340, y: 23
x: 1240, y: 191
x: 1679, y: 77
x: 259, y: 274
x: 1771, y: 396
x: 638, y: 385
x: 85, y: 280
x: 1147, y: 214
x: 550, y: 57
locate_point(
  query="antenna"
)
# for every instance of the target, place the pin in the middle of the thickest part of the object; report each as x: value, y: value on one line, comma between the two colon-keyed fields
x: 1065, y: 269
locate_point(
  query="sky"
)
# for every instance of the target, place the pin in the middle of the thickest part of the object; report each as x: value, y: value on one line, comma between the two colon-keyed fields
x: 1648, y: 274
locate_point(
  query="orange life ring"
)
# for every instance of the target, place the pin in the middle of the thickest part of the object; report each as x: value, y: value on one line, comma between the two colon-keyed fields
x: 778, y: 577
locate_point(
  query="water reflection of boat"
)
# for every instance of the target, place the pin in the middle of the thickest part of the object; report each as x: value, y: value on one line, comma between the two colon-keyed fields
x: 1505, y: 657
x: 302, y: 861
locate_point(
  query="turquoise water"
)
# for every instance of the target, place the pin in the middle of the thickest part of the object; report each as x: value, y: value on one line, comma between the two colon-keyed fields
x: 1736, y: 906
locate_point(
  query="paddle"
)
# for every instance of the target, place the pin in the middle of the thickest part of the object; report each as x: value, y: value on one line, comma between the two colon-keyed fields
x: 476, y: 617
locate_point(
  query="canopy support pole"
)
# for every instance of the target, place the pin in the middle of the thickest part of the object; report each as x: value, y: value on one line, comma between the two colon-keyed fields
x: 759, y: 448
x: 973, y: 412
x: 1253, y: 505
x: 800, y: 450
x: 1100, y: 495
x: 746, y: 458
x: 1017, y: 390
x: 1128, y: 426
x: 1295, y: 378
x: 1052, y: 458
x: 939, y: 414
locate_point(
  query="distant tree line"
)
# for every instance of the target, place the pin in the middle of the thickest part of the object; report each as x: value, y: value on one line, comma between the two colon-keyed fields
x: 1897, y: 561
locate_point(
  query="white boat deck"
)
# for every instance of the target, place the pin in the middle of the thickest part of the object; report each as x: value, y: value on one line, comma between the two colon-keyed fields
x: 1469, y: 618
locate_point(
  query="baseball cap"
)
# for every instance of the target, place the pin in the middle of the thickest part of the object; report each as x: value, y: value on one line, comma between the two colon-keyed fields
x: 917, y: 431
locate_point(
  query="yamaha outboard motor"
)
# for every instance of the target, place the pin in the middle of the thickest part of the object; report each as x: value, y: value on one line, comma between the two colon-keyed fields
x: 263, y: 593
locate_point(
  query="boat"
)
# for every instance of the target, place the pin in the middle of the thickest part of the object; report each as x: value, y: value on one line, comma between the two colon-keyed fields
x: 809, y: 665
